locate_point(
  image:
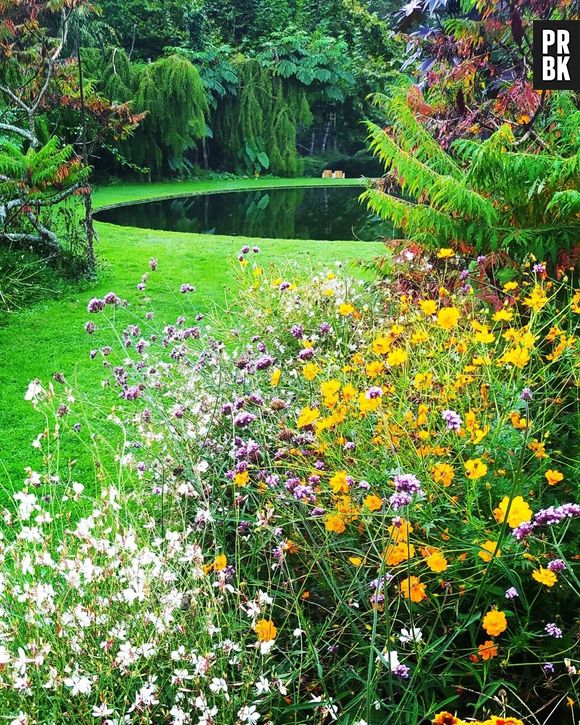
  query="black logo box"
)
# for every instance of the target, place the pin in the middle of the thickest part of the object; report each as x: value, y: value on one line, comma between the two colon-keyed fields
x: 556, y: 55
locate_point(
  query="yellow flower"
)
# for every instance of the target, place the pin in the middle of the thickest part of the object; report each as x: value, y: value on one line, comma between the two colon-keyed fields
x: 537, y: 299
x: 482, y: 333
x: 335, y: 523
x: 448, y: 317
x: 553, y: 477
x: 494, y: 623
x: 355, y: 560
x: 436, y: 562
x: 220, y: 562
x: 428, y: 307
x: 510, y: 286
x: 418, y: 337
x: 423, y: 381
x: 265, y: 630
x: 307, y: 416
x: 475, y: 468
x: 545, y: 576
x: 339, y: 483
x: 443, y: 473
x: 489, y: 550
x: 575, y: 302
x: 397, y: 357
x: 518, y: 514
x: 445, y: 253
x: 275, y: 377
x: 413, y: 589
x: 503, y: 316
x: 374, y: 368
x: 310, y: 371
x: 381, y: 345
x: 345, y: 309
x: 241, y: 479
x: 518, y: 356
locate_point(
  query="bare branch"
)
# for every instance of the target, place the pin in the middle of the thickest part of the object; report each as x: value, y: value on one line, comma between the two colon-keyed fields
x: 20, y: 131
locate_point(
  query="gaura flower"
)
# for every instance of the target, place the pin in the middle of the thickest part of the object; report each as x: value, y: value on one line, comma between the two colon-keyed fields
x: 494, y: 622
x: 553, y: 477
x: 413, y: 589
x: 448, y: 317
x: 265, y: 630
x: 307, y: 416
x: 519, y: 512
x: 545, y: 576
x: 475, y: 468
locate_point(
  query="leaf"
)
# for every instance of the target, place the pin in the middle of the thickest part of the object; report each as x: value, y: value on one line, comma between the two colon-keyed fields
x: 263, y: 159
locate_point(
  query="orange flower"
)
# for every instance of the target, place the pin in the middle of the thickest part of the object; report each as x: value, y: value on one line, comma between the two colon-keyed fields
x: 443, y: 473
x: 553, y: 477
x: 397, y: 553
x: 436, y: 562
x: 265, y: 630
x: 487, y: 650
x: 488, y: 550
x: 446, y: 718
x: 494, y: 622
x: 335, y: 523
x: 338, y: 482
x: 413, y: 589
x: 373, y: 503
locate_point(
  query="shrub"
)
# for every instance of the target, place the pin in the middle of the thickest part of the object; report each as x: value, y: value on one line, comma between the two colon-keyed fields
x: 353, y: 504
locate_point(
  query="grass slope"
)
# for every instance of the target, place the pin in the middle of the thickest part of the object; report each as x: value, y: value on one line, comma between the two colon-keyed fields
x: 49, y: 336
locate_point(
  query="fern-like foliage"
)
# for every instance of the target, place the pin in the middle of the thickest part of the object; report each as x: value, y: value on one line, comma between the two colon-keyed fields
x: 487, y: 195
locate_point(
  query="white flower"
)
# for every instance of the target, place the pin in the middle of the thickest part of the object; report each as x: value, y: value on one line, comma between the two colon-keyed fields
x: 4, y: 655
x: 389, y: 658
x: 298, y: 632
x: 249, y: 714
x: 218, y: 684
x: 262, y: 685
x: 20, y: 719
x: 360, y: 722
x: 33, y: 391
x: 79, y: 684
x: 413, y: 634
x: 102, y: 710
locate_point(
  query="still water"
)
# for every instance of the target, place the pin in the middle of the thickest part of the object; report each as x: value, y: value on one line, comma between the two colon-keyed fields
x: 304, y: 213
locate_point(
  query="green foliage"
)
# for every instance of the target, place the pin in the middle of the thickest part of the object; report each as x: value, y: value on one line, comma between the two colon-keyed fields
x: 485, y: 194
x: 256, y: 129
x: 217, y: 72
x: 172, y: 94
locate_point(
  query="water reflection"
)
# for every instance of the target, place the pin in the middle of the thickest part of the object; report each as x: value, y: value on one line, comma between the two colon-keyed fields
x: 299, y: 213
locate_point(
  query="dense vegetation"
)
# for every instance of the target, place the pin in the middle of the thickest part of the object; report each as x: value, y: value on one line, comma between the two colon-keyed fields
x: 349, y: 493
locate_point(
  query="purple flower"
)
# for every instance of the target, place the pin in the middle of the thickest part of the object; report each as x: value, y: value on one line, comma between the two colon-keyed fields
x: 297, y: 331
x: 407, y: 482
x: 325, y: 328
x: 481, y: 259
x: 401, y: 671
x: 245, y: 249
x: 244, y: 419
x: 374, y: 392
x: 131, y: 393
x: 185, y: 288
x: 153, y: 264
x: 548, y: 668
x: 511, y: 593
x: 553, y: 630
x: 95, y: 305
x: 90, y: 327
x: 526, y: 395
x: 306, y: 354
x: 452, y: 419
x: 284, y: 286
x: 141, y: 286
x: 111, y: 299
x: 556, y: 565
x: 256, y: 250
x: 264, y: 362
x: 539, y: 268
x: 400, y: 499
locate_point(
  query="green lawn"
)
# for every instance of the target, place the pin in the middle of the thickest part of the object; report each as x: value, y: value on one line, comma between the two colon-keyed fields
x: 49, y: 337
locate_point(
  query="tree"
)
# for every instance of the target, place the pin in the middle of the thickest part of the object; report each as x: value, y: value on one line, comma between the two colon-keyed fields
x: 172, y: 95
x: 484, y: 195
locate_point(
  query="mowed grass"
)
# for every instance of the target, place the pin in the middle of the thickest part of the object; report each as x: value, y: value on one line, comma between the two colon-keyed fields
x: 49, y: 337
